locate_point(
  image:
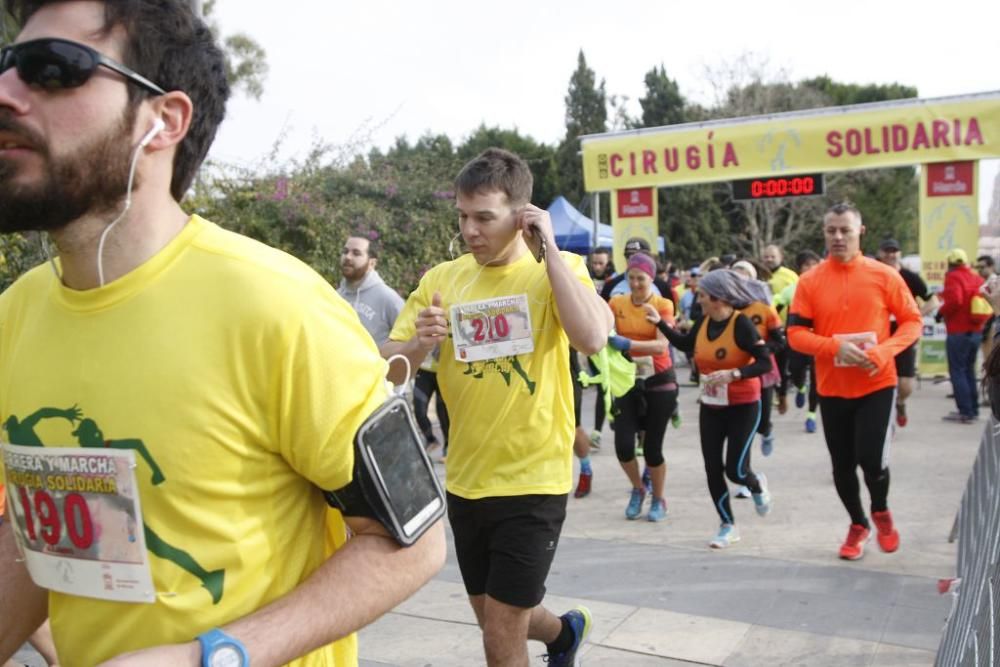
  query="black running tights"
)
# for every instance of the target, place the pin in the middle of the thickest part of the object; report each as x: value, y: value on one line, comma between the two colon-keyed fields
x: 424, y: 386
x: 798, y: 364
x: 858, y: 434
x: 643, y: 410
x: 728, y: 431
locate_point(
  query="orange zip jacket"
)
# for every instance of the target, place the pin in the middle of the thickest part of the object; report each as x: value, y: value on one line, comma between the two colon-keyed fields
x: 851, y: 298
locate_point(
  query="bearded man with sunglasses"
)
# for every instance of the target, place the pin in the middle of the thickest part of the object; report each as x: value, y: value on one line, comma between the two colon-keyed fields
x: 160, y: 334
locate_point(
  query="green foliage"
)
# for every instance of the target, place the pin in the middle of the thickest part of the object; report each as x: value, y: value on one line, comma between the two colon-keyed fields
x: 402, y: 199
x: 246, y: 60
x: 840, y: 94
x: 18, y: 253
x: 586, y: 102
x: 663, y: 103
x: 246, y: 65
x: 8, y: 28
x: 693, y: 223
x: 887, y: 198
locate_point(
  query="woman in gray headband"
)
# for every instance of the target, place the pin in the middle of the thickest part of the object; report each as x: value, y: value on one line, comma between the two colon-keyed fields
x: 729, y: 286
x: 768, y: 323
x: 731, y: 358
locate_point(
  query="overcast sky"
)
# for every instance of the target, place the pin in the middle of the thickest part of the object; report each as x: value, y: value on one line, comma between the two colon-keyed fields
x: 349, y: 72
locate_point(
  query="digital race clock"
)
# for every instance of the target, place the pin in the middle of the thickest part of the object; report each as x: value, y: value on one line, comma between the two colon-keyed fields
x: 774, y: 187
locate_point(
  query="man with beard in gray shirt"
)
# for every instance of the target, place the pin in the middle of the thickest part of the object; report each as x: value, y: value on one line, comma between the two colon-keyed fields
x: 376, y: 303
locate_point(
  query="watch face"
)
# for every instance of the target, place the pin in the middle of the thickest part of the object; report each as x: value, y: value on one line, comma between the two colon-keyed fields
x: 225, y: 656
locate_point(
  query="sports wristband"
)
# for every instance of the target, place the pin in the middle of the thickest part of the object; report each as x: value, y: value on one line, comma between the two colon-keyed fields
x: 221, y: 650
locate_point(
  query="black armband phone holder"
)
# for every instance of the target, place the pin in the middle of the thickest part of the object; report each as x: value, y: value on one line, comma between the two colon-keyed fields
x: 394, y: 481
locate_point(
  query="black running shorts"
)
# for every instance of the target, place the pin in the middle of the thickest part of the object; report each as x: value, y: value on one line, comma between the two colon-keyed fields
x: 505, y: 545
x: 906, y: 362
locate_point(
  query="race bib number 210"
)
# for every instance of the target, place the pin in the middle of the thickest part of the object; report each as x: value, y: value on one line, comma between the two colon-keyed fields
x: 492, y: 328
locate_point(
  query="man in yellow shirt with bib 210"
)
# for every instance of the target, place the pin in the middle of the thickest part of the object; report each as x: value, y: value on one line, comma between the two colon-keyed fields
x: 504, y: 315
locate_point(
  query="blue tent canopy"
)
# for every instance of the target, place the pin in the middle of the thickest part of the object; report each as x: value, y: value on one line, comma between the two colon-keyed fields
x: 574, y: 231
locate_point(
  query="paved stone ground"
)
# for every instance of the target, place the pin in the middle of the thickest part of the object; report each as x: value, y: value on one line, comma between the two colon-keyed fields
x: 660, y: 597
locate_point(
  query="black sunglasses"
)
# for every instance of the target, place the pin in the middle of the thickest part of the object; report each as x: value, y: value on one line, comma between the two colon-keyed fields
x: 56, y: 64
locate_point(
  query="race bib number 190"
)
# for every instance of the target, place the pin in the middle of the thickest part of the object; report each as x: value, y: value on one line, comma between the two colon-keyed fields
x: 492, y: 328
x: 77, y: 521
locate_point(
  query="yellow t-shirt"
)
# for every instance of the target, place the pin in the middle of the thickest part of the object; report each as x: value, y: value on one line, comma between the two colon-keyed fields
x: 781, y: 278
x: 512, y: 417
x: 245, y: 377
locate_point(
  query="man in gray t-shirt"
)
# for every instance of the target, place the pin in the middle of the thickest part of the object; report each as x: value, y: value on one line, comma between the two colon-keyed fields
x: 376, y: 303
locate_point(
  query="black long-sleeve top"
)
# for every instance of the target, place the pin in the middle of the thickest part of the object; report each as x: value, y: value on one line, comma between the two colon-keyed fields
x: 745, y: 333
x: 776, y: 339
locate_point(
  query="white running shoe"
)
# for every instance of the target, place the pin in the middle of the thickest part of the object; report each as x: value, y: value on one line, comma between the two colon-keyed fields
x: 762, y: 500
x: 728, y: 534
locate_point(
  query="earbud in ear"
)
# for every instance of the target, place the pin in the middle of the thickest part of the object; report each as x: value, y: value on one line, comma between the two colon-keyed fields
x: 157, y: 127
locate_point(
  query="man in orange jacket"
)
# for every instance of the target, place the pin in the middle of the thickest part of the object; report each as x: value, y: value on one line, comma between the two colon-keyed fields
x: 840, y: 316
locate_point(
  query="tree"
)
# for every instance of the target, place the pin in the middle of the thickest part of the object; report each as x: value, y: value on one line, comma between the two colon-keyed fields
x: 693, y: 223
x: 849, y: 93
x: 690, y: 217
x: 586, y: 101
x: 663, y: 103
x: 8, y: 28
x: 246, y: 59
x: 586, y: 113
x: 401, y: 198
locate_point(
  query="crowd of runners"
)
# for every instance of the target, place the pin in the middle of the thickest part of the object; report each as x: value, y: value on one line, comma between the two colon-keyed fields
x: 839, y: 333
x: 237, y: 392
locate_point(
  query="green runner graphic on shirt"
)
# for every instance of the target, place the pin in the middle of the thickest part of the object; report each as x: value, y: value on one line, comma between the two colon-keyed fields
x: 506, y: 367
x: 88, y: 434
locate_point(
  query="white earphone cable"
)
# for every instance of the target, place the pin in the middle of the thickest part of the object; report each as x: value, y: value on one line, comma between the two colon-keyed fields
x: 157, y: 126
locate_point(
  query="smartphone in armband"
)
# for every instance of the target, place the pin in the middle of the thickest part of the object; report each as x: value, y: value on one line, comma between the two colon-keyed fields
x: 394, y: 474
